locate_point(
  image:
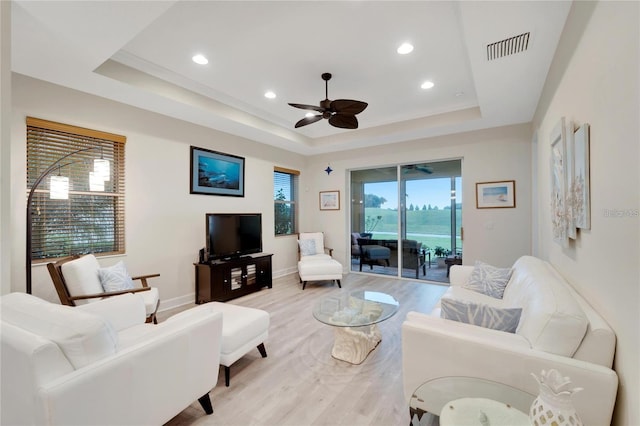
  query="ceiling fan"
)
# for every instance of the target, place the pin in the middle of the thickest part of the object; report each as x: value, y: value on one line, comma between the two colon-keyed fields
x: 340, y: 113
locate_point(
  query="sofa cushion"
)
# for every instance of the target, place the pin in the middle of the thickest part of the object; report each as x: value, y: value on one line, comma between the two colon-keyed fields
x: 489, y: 280
x: 460, y: 293
x: 551, y: 319
x: 81, y: 276
x: 115, y: 278
x: 502, y: 319
x: 122, y: 312
x: 83, y: 338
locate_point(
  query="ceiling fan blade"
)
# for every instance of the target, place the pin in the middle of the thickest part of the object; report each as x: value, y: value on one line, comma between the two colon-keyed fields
x: 311, y: 107
x: 344, y: 121
x: 348, y: 106
x: 308, y: 120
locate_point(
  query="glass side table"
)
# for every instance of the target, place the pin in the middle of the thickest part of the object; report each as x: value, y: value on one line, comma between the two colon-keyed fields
x: 468, y: 393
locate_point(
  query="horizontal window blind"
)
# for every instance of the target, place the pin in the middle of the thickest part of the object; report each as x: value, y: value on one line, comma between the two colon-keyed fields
x: 91, y: 220
x: 285, y: 195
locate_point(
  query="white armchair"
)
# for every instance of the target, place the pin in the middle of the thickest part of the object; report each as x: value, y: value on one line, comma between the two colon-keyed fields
x: 101, y: 363
x: 79, y: 280
x: 314, y: 260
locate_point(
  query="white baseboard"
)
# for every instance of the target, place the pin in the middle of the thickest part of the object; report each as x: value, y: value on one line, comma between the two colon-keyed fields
x: 187, y: 299
x: 168, y: 304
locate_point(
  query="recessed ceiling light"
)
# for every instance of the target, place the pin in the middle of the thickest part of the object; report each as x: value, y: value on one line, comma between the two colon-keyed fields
x: 200, y: 59
x: 427, y: 85
x: 405, y: 48
x: 270, y: 95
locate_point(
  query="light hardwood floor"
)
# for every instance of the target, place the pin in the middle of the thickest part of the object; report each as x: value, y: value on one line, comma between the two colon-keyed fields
x: 299, y: 383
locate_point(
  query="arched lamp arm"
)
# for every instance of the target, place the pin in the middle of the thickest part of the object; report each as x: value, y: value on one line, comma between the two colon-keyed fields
x: 47, y: 172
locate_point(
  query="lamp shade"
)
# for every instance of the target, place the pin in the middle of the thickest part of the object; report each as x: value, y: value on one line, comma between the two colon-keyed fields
x: 96, y: 182
x: 59, y: 188
x: 102, y: 169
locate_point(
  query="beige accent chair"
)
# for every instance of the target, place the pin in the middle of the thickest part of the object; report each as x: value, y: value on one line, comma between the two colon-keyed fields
x: 77, y: 282
x: 314, y: 260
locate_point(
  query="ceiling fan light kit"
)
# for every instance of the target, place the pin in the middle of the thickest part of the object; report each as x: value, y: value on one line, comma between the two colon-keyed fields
x: 340, y: 112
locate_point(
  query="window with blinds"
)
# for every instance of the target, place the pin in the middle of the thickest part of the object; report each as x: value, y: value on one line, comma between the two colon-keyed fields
x: 91, y: 220
x: 285, y: 195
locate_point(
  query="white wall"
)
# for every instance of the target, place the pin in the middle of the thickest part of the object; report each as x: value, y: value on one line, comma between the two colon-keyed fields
x: 165, y: 225
x: 5, y: 146
x: 497, y: 236
x: 594, y: 79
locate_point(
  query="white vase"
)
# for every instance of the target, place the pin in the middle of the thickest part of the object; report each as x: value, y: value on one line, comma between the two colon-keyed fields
x: 553, y: 406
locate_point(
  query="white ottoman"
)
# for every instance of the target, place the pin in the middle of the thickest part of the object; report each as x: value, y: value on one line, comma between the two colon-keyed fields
x: 319, y: 269
x: 242, y: 330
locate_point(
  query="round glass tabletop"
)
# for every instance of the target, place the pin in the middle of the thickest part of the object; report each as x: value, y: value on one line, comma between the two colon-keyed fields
x: 355, y: 309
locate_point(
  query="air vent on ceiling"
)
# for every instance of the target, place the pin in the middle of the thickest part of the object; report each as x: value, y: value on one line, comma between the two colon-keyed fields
x: 508, y: 46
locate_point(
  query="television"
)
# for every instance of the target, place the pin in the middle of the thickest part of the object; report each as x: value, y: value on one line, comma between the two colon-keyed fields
x: 232, y: 235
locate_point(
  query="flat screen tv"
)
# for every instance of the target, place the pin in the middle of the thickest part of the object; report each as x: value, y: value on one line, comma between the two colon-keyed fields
x: 232, y: 235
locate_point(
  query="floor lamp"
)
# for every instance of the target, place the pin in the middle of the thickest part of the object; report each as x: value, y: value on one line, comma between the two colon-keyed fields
x: 59, y: 189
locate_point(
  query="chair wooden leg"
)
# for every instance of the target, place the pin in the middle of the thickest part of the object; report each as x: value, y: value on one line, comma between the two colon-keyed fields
x: 205, y: 402
x: 304, y: 284
x: 338, y: 281
x: 153, y: 318
x: 263, y: 350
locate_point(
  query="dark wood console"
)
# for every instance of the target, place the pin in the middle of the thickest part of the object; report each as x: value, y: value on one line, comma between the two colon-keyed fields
x: 222, y: 280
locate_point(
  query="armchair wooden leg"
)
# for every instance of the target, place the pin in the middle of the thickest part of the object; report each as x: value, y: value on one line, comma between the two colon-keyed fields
x: 205, y: 402
x: 153, y: 318
x: 338, y: 281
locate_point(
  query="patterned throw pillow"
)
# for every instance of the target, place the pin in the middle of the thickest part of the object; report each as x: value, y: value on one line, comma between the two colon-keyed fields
x: 307, y: 247
x: 115, y: 278
x: 489, y: 280
x: 503, y: 319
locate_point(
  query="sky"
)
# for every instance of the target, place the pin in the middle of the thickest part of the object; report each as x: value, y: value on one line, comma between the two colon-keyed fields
x: 436, y: 192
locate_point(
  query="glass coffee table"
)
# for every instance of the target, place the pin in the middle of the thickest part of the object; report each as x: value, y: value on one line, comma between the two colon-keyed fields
x: 470, y: 401
x: 355, y: 316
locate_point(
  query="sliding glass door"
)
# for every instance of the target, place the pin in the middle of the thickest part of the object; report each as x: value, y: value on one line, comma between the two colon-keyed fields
x: 408, y: 218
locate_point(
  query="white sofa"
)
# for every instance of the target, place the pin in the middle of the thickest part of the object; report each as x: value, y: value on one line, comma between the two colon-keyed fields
x: 558, y: 330
x: 101, y: 364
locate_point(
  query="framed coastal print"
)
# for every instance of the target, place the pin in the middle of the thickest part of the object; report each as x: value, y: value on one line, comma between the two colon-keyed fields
x: 329, y: 200
x: 495, y: 195
x: 580, y: 186
x: 216, y: 173
x: 558, y: 167
x: 572, y: 232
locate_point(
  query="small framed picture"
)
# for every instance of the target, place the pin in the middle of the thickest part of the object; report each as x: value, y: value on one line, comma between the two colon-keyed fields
x: 216, y: 173
x: 329, y: 200
x: 495, y: 195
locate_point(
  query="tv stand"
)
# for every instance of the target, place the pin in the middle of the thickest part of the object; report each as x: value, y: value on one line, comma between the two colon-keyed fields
x: 222, y: 280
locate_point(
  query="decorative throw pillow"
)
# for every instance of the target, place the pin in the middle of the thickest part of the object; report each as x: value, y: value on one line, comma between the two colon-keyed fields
x: 489, y: 280
x: 307, y: 247
x: 503, y: 319
x: 115, y: 278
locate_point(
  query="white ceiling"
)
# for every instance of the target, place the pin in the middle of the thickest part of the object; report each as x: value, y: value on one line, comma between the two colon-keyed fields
x: 139, y: 53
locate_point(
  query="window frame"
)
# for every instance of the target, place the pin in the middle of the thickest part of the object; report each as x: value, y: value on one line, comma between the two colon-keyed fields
x: 89, y: 221
x: 293, y: 203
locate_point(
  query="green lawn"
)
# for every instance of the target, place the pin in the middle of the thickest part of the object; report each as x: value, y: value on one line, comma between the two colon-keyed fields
x: 433, y: 224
